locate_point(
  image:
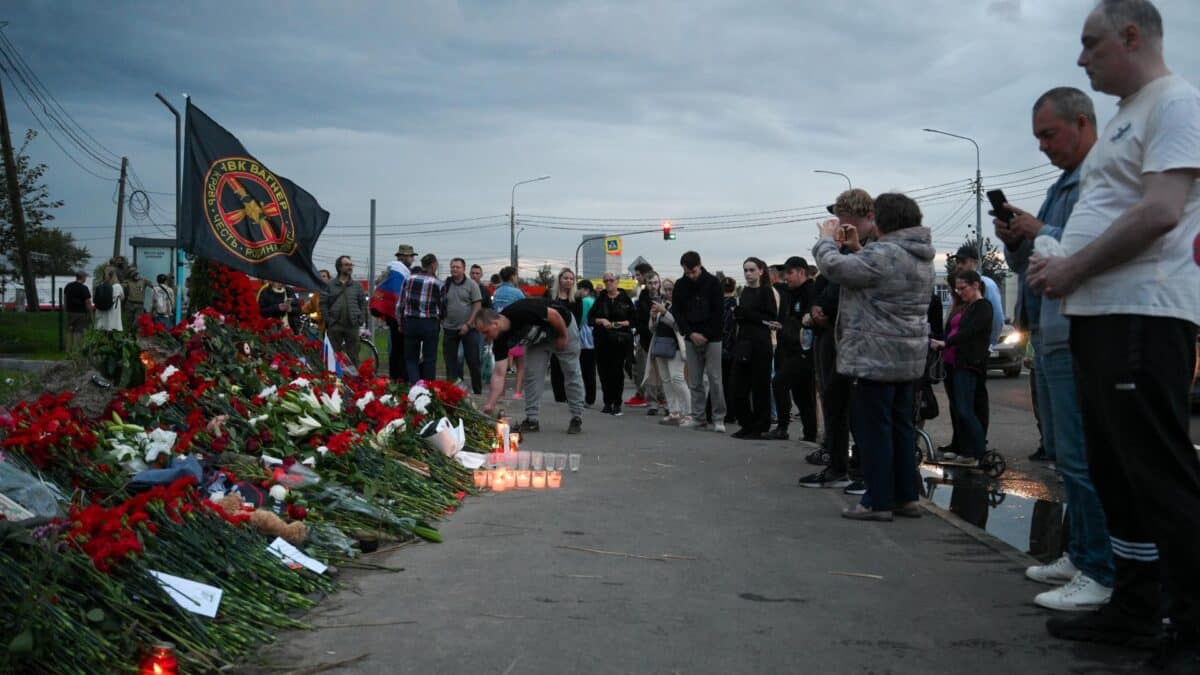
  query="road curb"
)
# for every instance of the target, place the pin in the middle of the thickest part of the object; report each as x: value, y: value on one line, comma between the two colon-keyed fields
x: 995, y: 543
x: 25, y: 365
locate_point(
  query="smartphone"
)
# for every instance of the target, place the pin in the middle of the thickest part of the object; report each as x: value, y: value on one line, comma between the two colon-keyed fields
x: 998, y: 200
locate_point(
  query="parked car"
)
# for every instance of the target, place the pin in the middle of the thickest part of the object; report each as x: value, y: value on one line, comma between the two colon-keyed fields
x: 1008, y: 354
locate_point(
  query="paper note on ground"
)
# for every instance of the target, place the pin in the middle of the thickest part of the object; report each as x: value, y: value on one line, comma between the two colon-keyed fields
x: 193, y: 596
x: 288, y: 552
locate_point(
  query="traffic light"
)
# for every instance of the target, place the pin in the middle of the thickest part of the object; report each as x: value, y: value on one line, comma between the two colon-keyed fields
x: 668, y: 235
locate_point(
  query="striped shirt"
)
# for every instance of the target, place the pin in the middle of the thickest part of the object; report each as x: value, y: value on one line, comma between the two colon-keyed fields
x: 421, y: 298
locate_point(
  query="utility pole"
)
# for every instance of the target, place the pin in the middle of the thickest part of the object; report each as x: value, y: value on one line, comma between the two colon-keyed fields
x: 18, y: 212
x: 120, y: 208
x: 979, y: 213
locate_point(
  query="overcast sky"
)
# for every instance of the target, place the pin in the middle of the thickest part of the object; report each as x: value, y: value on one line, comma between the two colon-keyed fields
x: 638, y: 110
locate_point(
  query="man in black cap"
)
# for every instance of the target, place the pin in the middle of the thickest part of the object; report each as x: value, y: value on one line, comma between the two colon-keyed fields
x: 794, y: 369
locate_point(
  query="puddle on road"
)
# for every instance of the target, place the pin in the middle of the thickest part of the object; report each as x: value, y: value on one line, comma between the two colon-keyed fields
x: 1024, y: 511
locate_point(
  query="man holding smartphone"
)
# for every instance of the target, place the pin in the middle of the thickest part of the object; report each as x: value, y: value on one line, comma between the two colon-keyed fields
x: 1130, y: 280
x: 1064, y: 123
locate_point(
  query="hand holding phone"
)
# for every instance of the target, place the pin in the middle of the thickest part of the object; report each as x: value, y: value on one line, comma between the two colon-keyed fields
x: 998, y: 200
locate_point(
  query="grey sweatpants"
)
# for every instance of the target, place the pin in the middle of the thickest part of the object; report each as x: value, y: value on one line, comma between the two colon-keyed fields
x: 537, y: 365
x: 705, y: 363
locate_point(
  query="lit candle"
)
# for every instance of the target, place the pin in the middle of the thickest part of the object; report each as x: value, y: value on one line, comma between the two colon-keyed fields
x: 498, y: 484
x: 514, y: 441
x: 523, y: 478
x: 510, y: 479
x: 554, y: 479
x: 539, y: 479
x: 502, y: 431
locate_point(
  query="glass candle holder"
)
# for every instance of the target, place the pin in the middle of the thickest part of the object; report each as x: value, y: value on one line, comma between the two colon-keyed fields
x: 537, y: 459
x: 538, y: 481
x: 524, y: 478
x: 573, y: 461
x: 480, y: 476
x: 510, y: 479
x: 553, y: 479
x: 499, y: 480
x: 524, y: 457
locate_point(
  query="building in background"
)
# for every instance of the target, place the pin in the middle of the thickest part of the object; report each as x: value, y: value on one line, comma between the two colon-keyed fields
x: 595, y: 258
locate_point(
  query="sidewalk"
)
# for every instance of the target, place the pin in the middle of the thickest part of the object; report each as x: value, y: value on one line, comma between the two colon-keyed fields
x: 763, y: 577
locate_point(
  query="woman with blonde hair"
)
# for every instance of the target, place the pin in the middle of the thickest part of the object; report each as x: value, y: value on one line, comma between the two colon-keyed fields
x: 667, y: 359
x: 110, y: 319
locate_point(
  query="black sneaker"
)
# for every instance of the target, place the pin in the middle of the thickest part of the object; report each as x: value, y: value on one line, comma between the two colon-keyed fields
x: 607, y: 410
x: 1108, y: 625
x: 949, y: 447
x: 651, y: 412
x: 856, y: 487
x: 740, y: 433
x: 777, y: 434
x: 616, y: 410
x: 576, y: 426
x: 817, y: 457
x: 824, y: 479
x: 529, y: 427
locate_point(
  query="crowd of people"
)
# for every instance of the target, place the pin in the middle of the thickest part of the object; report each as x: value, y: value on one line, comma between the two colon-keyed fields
x: 1109, y: 291
x: 115, y: 302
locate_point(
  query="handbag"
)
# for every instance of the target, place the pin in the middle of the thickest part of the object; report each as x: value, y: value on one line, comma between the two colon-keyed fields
x: 664, y: 347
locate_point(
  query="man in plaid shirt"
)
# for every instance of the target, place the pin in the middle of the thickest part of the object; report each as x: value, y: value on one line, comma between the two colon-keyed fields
x: 420, y: 310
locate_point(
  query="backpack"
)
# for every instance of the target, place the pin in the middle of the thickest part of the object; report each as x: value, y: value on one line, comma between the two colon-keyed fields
x: 104, y: 297
x: 162, y: 301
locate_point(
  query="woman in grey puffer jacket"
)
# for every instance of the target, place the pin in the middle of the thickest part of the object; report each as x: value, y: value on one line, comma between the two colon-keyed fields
x: 883, y: 336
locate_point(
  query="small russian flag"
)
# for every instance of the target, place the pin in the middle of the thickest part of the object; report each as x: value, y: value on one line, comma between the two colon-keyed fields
x: 331, y: 360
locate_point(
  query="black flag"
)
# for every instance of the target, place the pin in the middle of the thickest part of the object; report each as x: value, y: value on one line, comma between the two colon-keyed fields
x: 238, y: 213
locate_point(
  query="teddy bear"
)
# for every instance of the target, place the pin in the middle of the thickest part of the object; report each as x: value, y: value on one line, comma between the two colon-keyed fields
x: 265, y: 522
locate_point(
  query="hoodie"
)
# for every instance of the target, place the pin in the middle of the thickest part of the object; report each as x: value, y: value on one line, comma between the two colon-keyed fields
x: 882, y: 326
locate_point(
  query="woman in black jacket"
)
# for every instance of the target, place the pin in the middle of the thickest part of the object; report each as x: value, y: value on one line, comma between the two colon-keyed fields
x: 965, y: 355
x: 564, y: 294
x: 612, y: 318
x: 757, y: 314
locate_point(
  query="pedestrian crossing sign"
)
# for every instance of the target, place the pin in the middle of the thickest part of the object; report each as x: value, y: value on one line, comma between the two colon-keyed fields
x: 612, y: 246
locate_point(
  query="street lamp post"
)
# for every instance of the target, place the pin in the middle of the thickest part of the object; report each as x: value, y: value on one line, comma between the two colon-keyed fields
x: 512, y: 219
x: 978, y: 189
x: 849, y: 185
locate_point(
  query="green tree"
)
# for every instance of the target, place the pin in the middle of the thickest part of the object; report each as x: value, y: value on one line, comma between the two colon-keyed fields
x: 60, y: 254
x: 992, y: 264
x: 545, y: 276
x: 37, y: 205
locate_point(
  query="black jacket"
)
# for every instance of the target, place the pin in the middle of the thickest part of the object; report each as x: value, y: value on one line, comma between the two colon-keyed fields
x: 698, y: 306
x: 641, y: 319
x: 794, y: 303
x: 755, y: 306
x: 615, y: 309
x: 974, y: 334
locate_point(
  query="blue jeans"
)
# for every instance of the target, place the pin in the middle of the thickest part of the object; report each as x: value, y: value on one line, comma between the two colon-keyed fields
x: 881, y: 414
x: 1088, y: 545
x: 971, y: 439
x: 420, y: 348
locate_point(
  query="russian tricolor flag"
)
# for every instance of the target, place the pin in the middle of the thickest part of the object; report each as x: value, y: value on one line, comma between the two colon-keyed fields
x: 331, y: 358
x: 387, y: 293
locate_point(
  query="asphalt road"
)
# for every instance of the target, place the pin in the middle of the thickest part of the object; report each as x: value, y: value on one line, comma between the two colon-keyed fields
x: 681, y: 551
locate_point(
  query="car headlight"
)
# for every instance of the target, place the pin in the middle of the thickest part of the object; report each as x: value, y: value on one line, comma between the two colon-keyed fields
x: 1013, y: 338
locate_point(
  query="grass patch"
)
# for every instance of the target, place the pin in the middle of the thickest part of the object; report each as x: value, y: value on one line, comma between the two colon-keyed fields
x: 12, y: 381
x: 31, y: 335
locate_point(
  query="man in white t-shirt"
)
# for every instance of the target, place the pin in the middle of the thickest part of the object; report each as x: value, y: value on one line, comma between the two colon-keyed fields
x: 1130, y: 280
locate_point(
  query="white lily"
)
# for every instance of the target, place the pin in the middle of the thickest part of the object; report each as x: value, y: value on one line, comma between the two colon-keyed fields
x: 268, y: 460
x: 167, y: 373
x: 388, y: 399
x: 301, y: 382
x: 393, y: 426
x: 162, y: 438
x: 155, y: 452
x: 366, y: 398
x: 159, y: 398
x: 310, y: 400
x: 332, y: 403
x: 268, y: 392
x: 421, y: 402
x: 323, y: 450
x: 310, y: 461
x: 306, y: 426
x: 123, y: 451
x: 255, y: 420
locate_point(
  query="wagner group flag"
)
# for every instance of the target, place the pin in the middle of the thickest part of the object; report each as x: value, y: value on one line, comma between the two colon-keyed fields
x: 238, y: 213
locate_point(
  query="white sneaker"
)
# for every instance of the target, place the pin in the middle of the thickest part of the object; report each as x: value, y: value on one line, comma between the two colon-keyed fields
x: 687, y: 423
x: 719, y: 427
x: 1058, y: 572
x: 1081, y: 594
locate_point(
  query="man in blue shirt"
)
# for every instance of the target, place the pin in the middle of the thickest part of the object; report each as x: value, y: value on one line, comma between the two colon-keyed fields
x: 1064, y: 122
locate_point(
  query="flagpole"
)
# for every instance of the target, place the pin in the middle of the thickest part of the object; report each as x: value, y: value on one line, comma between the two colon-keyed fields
x: 371, y: 263
x: 179, y: 256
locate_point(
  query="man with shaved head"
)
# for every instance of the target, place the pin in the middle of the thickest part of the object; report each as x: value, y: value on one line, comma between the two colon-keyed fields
x: 1130, y: 283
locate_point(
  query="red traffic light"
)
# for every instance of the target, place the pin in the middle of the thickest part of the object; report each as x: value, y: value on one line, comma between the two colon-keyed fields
x: 666, y: 229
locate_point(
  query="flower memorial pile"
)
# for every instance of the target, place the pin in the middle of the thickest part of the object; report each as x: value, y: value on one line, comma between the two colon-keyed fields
x: 229, y: 434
